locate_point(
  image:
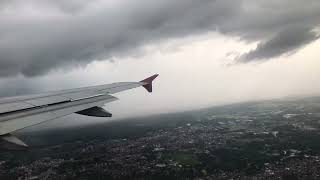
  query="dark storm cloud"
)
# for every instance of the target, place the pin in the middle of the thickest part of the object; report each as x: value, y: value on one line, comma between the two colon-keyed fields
x: 281, y: 44
x: 39, y: 35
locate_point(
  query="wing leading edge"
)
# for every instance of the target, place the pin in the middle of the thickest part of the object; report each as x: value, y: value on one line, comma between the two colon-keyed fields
x: 24, y: 111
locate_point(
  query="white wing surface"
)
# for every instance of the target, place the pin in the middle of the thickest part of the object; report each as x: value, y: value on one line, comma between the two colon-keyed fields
x: 24, y: 111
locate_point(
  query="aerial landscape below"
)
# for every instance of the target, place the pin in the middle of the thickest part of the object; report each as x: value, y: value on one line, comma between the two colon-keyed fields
x: 275, y: 139
x: 159, y: 90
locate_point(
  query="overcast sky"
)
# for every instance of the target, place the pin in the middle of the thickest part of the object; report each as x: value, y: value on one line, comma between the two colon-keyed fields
x: 207, y: 52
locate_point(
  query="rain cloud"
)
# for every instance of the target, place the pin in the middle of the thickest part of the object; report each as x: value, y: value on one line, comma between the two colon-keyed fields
x: 37, y: 36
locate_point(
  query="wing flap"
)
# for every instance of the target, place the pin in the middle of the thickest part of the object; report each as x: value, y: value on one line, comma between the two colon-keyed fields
x: 95, y: 112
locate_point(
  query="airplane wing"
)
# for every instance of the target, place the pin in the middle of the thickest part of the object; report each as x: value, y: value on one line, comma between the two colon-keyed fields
x: 24, y: 111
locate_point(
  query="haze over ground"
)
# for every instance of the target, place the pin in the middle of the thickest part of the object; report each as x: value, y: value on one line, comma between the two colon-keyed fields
x: 206, y: 52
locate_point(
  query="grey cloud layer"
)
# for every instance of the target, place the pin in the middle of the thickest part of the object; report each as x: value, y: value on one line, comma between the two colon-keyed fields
x: 39, y: 35
x: 282, y: 43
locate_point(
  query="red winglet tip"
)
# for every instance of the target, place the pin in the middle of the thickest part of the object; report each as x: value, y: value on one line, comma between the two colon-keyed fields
x: 150, y: 79
x: 148, y: 82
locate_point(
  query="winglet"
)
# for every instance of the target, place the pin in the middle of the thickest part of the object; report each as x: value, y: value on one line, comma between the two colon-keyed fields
x: 148, y: 82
